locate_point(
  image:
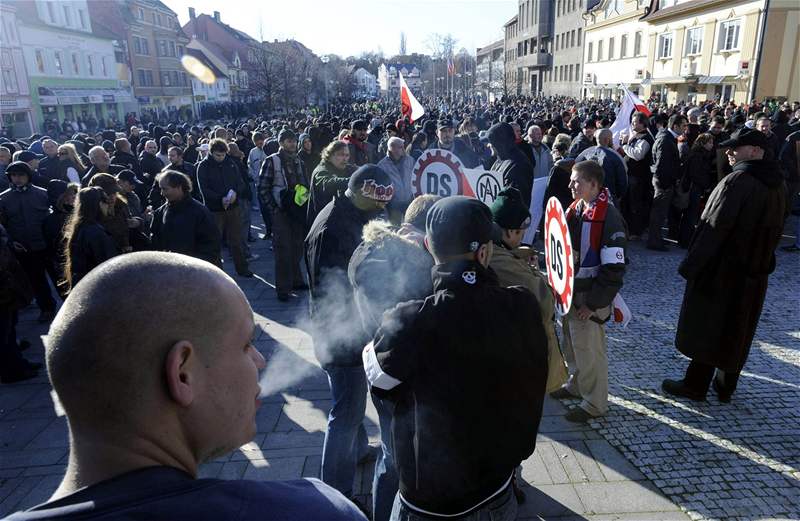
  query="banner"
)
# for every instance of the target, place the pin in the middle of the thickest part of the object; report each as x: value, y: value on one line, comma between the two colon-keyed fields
x: 630, y: 104
x: 409, y: 105
x: 441, y: 172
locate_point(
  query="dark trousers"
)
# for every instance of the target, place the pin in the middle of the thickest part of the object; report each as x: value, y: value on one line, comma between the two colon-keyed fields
x: 35, y: 265
x: 287, y: 242
x: 11, y: 360
x: 637, y: 204
x: 698, y: 377
x: 662, y: 200
x: 229, y: 223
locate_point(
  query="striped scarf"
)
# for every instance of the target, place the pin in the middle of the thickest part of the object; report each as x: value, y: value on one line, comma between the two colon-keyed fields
x: 593, y: 219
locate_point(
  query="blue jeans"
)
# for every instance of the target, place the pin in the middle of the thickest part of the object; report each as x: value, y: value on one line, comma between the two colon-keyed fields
x: 345, y: 437
x: 385, y: 481
x: 502, y: 508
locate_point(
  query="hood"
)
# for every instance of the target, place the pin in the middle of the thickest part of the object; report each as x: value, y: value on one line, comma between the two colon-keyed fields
x: 502, y: 137
x: 381, y: 235
x: 379, y: 231
x: 767, y: 171
x: 565, y: 164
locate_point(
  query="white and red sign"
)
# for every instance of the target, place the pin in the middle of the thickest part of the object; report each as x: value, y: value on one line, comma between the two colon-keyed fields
x: 558, y: 255
x: 440, y: 172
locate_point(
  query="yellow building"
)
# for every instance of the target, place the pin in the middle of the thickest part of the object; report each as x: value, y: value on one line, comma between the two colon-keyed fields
x: 723, y: 49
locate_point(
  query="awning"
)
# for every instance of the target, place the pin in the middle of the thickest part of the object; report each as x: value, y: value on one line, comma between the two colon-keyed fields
x: 669, y: 80
x: 646, y: 82
x: 710, y: 80
x: 65, y: 96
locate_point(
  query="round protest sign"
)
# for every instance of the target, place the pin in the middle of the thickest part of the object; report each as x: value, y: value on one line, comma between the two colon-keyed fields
x: 558, y: 255
x: 438, y: 172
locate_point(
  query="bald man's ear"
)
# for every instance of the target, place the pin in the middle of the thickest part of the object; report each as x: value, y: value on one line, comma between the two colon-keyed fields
x: 179, y: 366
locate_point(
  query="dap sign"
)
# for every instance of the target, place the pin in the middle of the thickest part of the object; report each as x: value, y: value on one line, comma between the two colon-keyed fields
x: 558, y: 255
x: 440, y: 172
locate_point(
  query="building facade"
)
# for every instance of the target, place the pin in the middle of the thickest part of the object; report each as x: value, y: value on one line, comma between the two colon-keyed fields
x: 563, y: 78
x: 615, y: 48
x: 212, y: 92
x: 510, y: 30
x: 71, y: 67
x: 366, y: 84
x: 15, y: 96
x: 490, y: 70
x: 534, y: 31
x: 389, y: 81
x: 709, y: 50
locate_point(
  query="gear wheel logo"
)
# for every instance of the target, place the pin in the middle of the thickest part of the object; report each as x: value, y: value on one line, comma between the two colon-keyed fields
x: 438, y: 172
x: 558, y: 255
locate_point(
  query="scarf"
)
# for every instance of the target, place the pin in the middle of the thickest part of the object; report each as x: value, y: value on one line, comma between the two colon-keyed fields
x: 593, y: 219
x: 350, y: 140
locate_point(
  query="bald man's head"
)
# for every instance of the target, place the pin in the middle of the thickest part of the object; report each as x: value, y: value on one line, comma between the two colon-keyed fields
x: 141, y: 326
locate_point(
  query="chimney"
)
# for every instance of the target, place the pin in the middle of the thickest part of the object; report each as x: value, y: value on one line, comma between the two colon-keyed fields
x: 191, y: 13
x: 216, y: 16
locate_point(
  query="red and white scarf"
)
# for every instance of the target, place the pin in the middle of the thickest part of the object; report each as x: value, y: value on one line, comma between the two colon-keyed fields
x: 593, y: 219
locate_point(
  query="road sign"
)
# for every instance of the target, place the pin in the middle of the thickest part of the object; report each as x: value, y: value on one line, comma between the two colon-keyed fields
x: 558, y: 255
x: 440, y: 172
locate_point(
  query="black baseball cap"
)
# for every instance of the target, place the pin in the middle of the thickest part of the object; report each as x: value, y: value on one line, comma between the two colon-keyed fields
x: 129, y: 176
x: 746, y: 136
x: 444, y: 122
x: 27, y: 155
x: 371, y: 182
x: 459, y: 224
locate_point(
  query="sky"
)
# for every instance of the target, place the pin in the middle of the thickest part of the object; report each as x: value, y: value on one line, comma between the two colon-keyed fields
x: 349, y: 27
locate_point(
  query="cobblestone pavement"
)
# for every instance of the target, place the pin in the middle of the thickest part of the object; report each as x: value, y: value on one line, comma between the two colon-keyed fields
x: 651, y: 458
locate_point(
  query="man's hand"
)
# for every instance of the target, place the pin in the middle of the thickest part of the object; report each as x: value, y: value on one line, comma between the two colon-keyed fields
x: 584, y: 312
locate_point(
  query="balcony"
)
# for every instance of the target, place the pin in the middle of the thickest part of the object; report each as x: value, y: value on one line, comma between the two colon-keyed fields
x: 537, y: 59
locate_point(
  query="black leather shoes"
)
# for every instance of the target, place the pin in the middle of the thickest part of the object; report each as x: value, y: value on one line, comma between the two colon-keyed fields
x: 679, y: 388
x: 723, y: 396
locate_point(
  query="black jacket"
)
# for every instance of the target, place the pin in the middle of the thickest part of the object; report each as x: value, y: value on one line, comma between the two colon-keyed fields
x: 127, y: 160
x: 150, y: 166
x: 517, y: 171
x: 215, y: 179
x: 666, y: 168
x: 330, y: 243
x: 459, y: 356
x: 91, y: 246
x: 112, y: 169
x: 186, y: 227
x: 462, y: 151
x: 558, y: 184
x: 579, y: 144
x: 155, y: 199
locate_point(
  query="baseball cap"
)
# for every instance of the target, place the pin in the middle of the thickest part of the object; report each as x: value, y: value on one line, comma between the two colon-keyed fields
x: 27, y: 155
x: 19, y: 167
x: 746, y: 136
x: 459, y: 224
x: 444, y: 123
x: 358, y: 124
x: 129, y: 176
x: 371, y: 182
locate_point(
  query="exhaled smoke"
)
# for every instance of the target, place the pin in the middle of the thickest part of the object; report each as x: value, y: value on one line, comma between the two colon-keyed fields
x: 285, y: 370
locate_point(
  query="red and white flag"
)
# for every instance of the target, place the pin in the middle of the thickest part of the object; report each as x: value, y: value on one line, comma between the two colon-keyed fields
x: 410, y: 106
x: 622, y: 313
x: 630, y: 104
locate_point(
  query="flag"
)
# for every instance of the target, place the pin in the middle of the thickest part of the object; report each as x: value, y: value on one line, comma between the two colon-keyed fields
x: 622, y: 313
x: 630, y: 104
x: 451, y: 67
x: 409, y: 105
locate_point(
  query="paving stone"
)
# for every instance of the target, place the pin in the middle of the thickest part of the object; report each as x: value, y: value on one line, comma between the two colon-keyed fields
x: 54, y: 436
x: 284, y: 440
x: 534, y: 471
x: 16, y: 434
x: 620, y: 497
x: 275, y: 469
x: 612, y: 464
x: 304, y: 415
x: 312, y: 466
x: 550, y: 501
x: 31, y: 458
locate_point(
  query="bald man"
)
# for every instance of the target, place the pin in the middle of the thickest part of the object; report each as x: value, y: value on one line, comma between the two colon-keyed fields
x: 148, y: 401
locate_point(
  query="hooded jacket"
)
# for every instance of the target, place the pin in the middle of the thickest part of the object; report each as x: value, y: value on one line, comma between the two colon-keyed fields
x: 24, y: 212
x: 517, y: 171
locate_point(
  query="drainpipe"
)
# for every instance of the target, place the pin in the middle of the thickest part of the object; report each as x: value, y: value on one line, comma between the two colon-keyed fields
x: 760, y: 51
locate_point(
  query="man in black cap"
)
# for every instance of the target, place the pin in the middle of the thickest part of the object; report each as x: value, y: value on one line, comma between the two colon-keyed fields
x: 446, y: 140
x: 338, y: 337
x: 583, y: 140
x: 457, y: 436
x: 283, y: 189
x: 23, y: 210
x: 727, y: 267
x: 361, y: 150
x: 517, y: 171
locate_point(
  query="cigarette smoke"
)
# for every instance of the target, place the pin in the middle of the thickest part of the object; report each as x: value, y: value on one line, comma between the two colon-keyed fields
x: 285, y: 369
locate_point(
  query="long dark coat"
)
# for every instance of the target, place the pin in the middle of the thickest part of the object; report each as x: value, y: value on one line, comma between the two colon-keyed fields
x: 728, y: 263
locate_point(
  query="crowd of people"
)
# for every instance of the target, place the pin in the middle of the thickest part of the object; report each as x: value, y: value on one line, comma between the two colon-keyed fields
x: 431, y: 283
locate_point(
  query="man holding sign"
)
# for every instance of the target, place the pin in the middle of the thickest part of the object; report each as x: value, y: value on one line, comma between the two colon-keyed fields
x: 598, y: 238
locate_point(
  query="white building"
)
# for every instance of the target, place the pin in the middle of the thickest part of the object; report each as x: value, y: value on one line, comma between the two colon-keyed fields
x: 15, y: 99
x: 615, y: 48
x: 389, y: 81
x: 366, y: 84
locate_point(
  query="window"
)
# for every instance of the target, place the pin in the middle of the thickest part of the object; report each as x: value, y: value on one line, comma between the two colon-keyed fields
x: 39, y: 60
x: 59, y: 65
x: 76, y: 69
x: 162, y: 47
x: 165, y: 79
x: 600, y: 50
x: 664, y: 50
x: 590, y: 54
x: 558, y: 38
x: 579, y: 35
x: 570, y: 73
x: 623, y: 46
x: 140, y: 73
x: 694, y: 41
x: 158, y: 17
x: 637, y: 44
x: 90, y: 65
x: 153, y: 18
x: 141, y: 14
x: 577, y: 72
x: 67, y: 16
x: 172, y: 49
x: 180, y: 51
x: 137, y: 45
x: 82, y: 16
x: 51, y: 12
x: 666, y: 3
x: 729, y: 35
x: 611, y: 43
x: 572, y: 38
x: 104, y: 66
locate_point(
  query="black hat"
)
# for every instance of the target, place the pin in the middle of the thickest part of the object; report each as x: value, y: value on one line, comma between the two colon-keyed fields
x: 286, y: 134
x: 371, y: 182
x: 19, y: 167
x: 746, y: 136
x: 509, y: 211
x: 27, y: 155
x: 359, y: 124
x: 589, y: 123
x: 444, y: 123
x: 107, y: 145
x: 129, y: 176
x: 55, y: 189
x: 459, y: 224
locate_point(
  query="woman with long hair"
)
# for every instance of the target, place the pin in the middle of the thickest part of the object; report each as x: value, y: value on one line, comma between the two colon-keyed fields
x: 700, y: 179
x: 70, y: 166
x: 88, y: 244
x: 418, y: 145
x: 330, y: 177
x: 62, y: 201
x: 118, y: 220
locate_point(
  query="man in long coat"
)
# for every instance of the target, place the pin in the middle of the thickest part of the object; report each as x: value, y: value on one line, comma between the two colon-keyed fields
x: 726, y: 268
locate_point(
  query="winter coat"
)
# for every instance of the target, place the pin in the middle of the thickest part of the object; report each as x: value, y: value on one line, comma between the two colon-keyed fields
x: 462, y: 151
x: 24, y: 212
x: 215, y: 179
x: 558, y: 183
x: 614, y: 175
x: 542, y: 160
x: 730, y: 257
x: 400, y: 173
x: 186, y: 227
x: 700, y: 170
x: 276, y: 186
x: 112, y: 169
x: 361, y: 153
x: 666, y: 167
x: 326, y: 183
x: 580, y: 143
x: 385, y: 270
x: 512, y: 269
x: 127, y: 160
x: 517, y: 171
x: 310, y: 160
x: 91, y: 246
